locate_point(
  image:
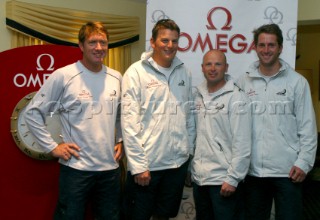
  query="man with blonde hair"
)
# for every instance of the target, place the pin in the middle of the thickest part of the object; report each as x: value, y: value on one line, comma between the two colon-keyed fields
x: 87, y: 96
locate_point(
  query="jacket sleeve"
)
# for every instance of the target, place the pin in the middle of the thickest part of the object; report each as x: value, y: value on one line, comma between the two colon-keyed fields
x: 191, y: 123
x: 131, y: 122
x: 118, y: 122
x: 44, y: 102
x: 241, y: 129
x: 306, y: 127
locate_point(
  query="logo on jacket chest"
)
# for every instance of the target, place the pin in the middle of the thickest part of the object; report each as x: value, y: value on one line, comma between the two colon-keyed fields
x: 84, y: 94
x: 251, y: 92
x: 181, y: 83
x: 209, y: 107
x: 282, y: 92
x: 153, y: 83
x: 112, y: 95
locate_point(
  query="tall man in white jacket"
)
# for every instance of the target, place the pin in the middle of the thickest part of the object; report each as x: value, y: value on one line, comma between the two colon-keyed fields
x: 87, y: 95
x: 157, y: 126
x: 284, y: 130
x: 223, y: 144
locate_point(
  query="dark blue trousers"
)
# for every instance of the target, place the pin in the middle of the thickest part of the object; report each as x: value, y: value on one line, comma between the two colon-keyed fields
x: 76, y: 187
x: 260, y: 193
x: 210, y: 205
x: 161, y: 197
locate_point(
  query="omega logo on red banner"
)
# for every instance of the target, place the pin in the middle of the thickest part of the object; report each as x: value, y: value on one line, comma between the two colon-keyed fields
x: 36, y: 80
x: 237, y: 43
x: 24, y: 72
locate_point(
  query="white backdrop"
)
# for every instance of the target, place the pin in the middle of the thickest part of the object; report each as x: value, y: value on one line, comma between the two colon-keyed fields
x: 225, y: 25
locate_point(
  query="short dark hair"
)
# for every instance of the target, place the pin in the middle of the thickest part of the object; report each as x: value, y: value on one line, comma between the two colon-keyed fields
x: 268, y: 29
x: 92, y: 27
x: 164, y: 24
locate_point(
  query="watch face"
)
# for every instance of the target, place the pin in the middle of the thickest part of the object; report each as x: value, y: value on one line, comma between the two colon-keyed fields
x: 24, y: 138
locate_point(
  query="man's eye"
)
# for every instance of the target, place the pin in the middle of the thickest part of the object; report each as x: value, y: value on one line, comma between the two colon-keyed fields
x: 103, y: 43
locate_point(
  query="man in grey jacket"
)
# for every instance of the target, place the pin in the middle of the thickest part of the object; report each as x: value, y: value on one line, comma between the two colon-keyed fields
x: 87, y: 96
x: 157, y: 126
x: 223, y: 144
x: 284, y: 130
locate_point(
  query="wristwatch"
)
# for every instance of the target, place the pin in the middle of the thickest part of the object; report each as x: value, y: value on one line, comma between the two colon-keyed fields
x: 22, y: 136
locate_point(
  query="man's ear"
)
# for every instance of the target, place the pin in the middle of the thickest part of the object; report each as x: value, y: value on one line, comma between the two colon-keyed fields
x: 254, y: 47
x: 152, y: 42
x: 281, y: 47
x: 81, y: 46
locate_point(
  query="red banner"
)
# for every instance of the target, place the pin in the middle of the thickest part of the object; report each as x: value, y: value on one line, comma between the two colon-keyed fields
x: 28, y: 187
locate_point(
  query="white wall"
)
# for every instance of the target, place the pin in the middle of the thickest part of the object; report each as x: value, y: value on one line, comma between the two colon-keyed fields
x: 117, y: 7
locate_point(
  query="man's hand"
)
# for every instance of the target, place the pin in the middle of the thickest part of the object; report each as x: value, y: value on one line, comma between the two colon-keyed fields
x: 143, y: 179
x: 297, y: 175
x: 227, y: 189
x: 66, y: 150
x: 119, y: 152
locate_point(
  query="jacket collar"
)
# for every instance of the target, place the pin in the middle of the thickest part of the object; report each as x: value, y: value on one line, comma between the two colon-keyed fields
x: 146, y: 57
x: 253, y: 70
x: 228, y: 87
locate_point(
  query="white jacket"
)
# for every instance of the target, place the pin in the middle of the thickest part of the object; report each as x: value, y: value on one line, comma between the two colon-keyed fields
x: 157, y: 126
x: 88, y: 104
x: 223, y: 144
x: 284, y: 125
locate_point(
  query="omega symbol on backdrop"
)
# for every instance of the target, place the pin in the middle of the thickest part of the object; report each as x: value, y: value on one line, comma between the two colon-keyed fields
x: 292, y: 36
x: 44, y: 67
x: 218, y: 36
x: 155, y: 17
x: 272, y: 14
x: 228, y: 19
x: 40, y: 67
x: 158, y: 15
